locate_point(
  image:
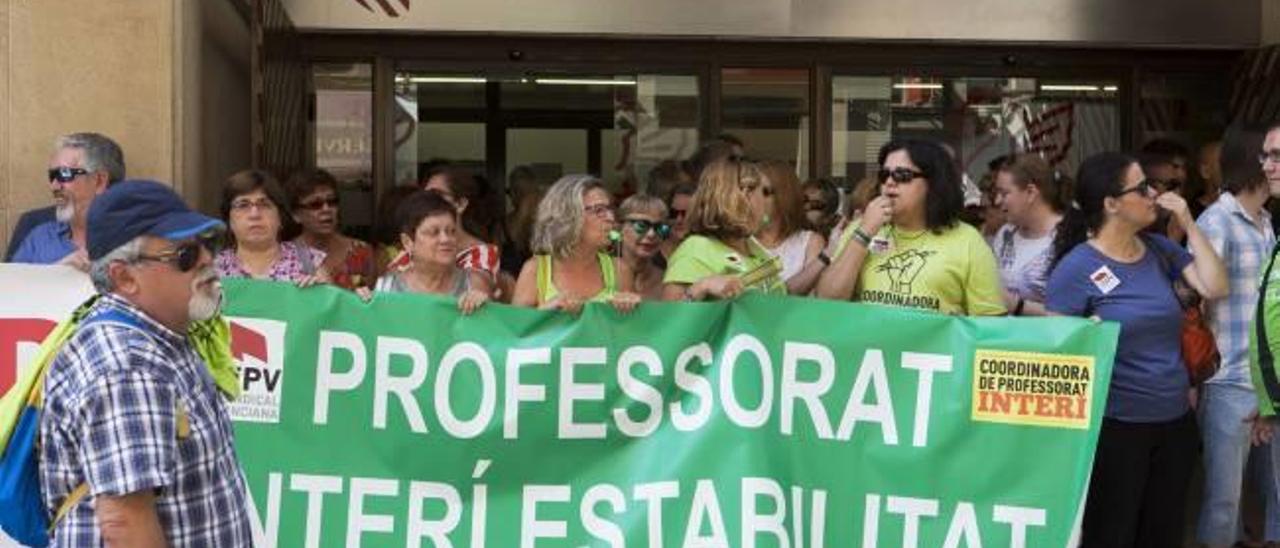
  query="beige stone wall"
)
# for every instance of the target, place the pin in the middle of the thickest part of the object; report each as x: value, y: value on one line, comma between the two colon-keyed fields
x: 83, y: 65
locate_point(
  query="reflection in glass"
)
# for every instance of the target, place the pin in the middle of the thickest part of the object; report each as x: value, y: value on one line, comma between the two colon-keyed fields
x: 768, y: 109
x: 980, y: 118
x: 343, y: 133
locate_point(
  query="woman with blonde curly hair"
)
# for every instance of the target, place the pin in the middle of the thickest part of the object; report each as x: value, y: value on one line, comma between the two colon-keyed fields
x: 571, y: 239
x: 721, y: 257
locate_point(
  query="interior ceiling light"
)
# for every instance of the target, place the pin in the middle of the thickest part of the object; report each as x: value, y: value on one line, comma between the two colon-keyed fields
x: 917, y: 86
x: 582, y: 82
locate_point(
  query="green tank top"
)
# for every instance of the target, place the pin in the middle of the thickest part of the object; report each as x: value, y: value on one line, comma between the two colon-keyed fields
x: 547, y: 289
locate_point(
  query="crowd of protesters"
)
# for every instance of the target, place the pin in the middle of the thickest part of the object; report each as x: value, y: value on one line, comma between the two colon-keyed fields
x: 1111, y: 241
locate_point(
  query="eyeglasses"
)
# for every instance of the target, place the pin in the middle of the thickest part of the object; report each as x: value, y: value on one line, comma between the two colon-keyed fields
x: 64, y: 175
x: 599, y: 211
x: 642, y: 227
x: 900, y: 175
x: 1163, y: 185
x: 318, y: 203
x: 263, y: 204
x: 677, y: 214
x: 1144, y: 187
x: 1272, y: 156
x: 815, y: 205
x: 185, y: 256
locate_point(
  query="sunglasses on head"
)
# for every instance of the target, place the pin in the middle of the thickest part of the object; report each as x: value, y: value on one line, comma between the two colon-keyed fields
x: 1143, y: 187
x: 642, y: 227
x: 331, y: 201
x: 65, y: 175
x: 899, y: 175
x: 185, y: 255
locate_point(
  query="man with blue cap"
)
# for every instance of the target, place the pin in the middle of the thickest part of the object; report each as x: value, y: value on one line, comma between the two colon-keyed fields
x: 137, y: 446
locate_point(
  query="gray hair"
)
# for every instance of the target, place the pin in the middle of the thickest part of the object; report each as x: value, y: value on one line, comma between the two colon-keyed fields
x: 100, y: 153
x: 100, y: 270
x: 642, y: 203
x: 560, y: 215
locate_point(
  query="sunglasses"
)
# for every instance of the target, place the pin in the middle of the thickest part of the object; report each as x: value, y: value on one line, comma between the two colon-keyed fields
x: 900, y: 175
x: 642, y: 227
x: 319, y: 203
x: 64, y: 175
x: 677, y: 214
x: 1144, y: 187
x: 185, y: 256
x: 815, y: 205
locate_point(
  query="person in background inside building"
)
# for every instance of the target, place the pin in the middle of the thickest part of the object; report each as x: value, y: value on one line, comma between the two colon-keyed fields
x: 114, y: 392
x: 721, y: 258
x: 821, y: 205
x: 678, y: 203
x: 256, y: 209
x: 1238, y: 228
x: 83, y: 165
x: 992, y: 214
x: 572, y: 238
x: 723, y: 146
x: 1165, y: 164
x: 785, y: 233
x: 313, y: 194
x: 665, y: 176
x: 1032, y: 196
x: 525, y: 193
x: 644, y: 228
x: 429, y: 235
x: 1105, y: 267
x: 1209, y: 183
x: 386, y: 230
x: 909, y: 247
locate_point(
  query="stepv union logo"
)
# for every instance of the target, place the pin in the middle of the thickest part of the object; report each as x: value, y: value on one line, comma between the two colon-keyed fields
x: 258, y: 348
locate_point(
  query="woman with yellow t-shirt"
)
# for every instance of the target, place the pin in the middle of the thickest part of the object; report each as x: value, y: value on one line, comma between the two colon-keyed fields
x: 571, y: 265
x: 909, y: 248
x: 721, y: 257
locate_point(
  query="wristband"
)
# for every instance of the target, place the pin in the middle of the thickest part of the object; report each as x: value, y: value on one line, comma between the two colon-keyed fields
x: 862, y: 237
x: 824, y: 258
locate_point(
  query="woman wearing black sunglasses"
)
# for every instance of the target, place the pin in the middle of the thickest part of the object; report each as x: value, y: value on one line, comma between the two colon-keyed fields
x: 1104, y: 267
x: 909, y: 247
x: 644, y: 229
x: 313, y: 194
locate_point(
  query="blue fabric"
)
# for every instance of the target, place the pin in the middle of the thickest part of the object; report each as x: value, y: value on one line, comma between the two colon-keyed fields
x: 23, y: 518
x: 1149, y: 382
x: 1224, y: 426
x: 29, y: 220
x: 47, y: 243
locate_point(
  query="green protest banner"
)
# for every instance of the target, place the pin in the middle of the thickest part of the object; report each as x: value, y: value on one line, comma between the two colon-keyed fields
x: 762, y: 422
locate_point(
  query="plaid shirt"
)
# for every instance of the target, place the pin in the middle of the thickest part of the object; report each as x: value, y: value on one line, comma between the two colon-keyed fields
x: 1244, y: 248
x: 110, y: 419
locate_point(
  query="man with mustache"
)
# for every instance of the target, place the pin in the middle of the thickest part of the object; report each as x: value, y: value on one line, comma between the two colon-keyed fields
x: 82, y: 167
x: 137, y: 442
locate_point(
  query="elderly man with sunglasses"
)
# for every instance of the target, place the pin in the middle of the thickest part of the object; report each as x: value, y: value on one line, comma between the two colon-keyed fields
x: 137, y: 442
x: 83, y: 165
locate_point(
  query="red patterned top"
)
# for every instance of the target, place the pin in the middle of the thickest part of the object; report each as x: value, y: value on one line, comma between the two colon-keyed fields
x: 483, y: 257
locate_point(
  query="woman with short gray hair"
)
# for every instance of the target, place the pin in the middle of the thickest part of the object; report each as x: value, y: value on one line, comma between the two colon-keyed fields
x: 571, y: 265
x: 644, y: 229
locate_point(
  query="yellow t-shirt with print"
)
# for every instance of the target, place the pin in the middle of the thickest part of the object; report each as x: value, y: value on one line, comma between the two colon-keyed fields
x: 953, y: 272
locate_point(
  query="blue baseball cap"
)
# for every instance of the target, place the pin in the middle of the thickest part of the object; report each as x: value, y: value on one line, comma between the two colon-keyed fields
x: 133, y: 208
